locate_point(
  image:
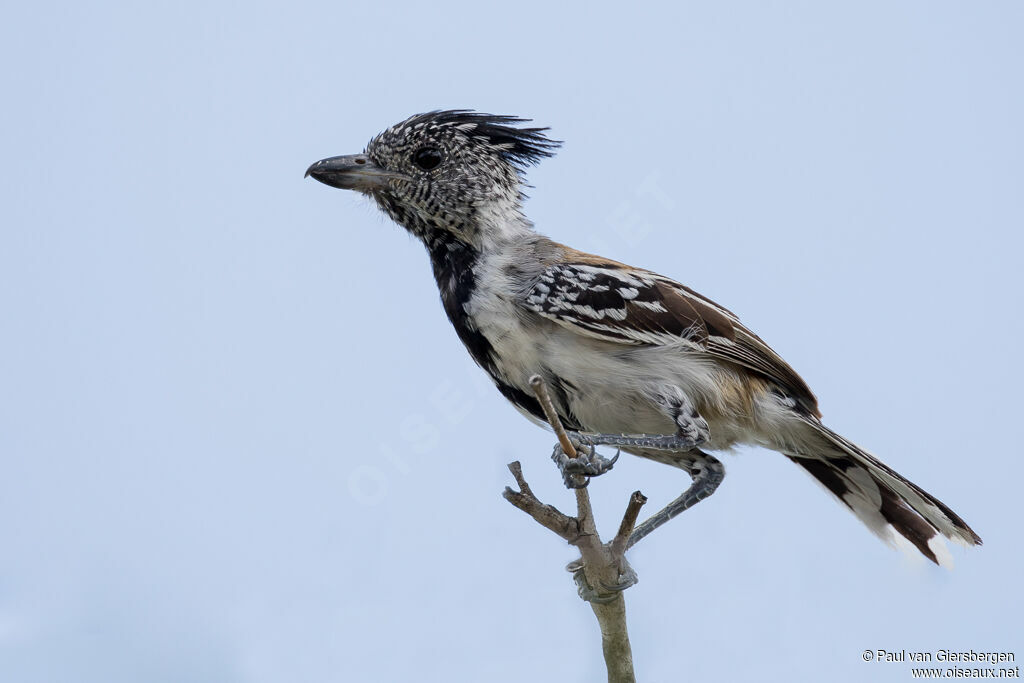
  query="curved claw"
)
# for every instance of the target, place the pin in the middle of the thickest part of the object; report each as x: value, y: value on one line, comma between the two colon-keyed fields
x: 573, y: 479
x: 587, y: 463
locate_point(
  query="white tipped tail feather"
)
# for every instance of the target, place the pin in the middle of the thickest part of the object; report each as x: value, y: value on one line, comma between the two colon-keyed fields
x: 891, y: 505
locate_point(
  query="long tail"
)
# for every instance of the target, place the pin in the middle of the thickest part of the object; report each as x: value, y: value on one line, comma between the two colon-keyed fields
x: 887, y: 502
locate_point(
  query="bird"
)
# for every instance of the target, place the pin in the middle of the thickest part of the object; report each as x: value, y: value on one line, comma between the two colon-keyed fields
x: 633, y: 359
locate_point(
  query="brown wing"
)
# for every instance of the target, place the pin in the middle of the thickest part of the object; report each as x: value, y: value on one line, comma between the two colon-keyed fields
x: 614, y: 302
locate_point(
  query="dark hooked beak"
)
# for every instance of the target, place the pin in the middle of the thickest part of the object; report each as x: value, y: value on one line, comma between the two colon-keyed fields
x: 351, y: 172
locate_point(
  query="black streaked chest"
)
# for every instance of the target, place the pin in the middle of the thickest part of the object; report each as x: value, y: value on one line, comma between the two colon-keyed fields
x: 453, y: 265
x: 484, y: 320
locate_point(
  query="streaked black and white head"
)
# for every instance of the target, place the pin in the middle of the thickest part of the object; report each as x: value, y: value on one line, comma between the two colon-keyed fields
x: 445, y: 174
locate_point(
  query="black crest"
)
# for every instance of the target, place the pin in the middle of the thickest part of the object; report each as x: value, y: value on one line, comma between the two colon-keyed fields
x: 521, y: 147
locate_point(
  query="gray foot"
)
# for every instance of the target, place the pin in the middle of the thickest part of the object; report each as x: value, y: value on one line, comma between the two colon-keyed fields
x: 603, y: 593
x: 576, y: 472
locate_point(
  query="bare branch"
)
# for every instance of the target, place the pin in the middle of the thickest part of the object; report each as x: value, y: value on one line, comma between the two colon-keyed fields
x: 618, y: 544
x: 601, y: 572
x: 541, y: 389
x: 618, y: 655
x: 517, y: 471
x: 601, y: 566
x: 548, y: 516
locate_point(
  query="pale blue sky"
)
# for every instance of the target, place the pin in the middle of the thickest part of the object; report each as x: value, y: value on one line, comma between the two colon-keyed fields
x: 239, y: 441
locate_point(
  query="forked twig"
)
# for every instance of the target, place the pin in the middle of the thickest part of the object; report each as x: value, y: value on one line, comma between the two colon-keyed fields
x: 600, y: 566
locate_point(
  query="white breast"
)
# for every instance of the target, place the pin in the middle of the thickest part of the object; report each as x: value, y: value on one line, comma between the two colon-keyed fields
x: 609, y: 386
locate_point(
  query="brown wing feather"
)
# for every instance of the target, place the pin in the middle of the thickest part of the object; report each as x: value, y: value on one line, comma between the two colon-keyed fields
x: 612, y: 301
x: 679, y: 301
x: 751, y: 352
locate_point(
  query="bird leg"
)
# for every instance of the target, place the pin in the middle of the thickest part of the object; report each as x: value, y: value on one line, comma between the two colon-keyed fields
x: 707, y: 472
x: 691, y: 431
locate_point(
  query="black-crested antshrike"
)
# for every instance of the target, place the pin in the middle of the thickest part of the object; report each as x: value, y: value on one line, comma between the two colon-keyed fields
x: 633, y: 359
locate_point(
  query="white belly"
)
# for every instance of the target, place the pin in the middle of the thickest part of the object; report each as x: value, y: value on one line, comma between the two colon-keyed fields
x: 608, y: 385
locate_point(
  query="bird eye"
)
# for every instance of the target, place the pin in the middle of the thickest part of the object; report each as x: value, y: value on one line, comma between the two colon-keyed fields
x: 427, y: 158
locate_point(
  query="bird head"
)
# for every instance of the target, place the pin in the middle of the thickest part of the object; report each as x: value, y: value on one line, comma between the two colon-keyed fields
x: 445, y: 174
